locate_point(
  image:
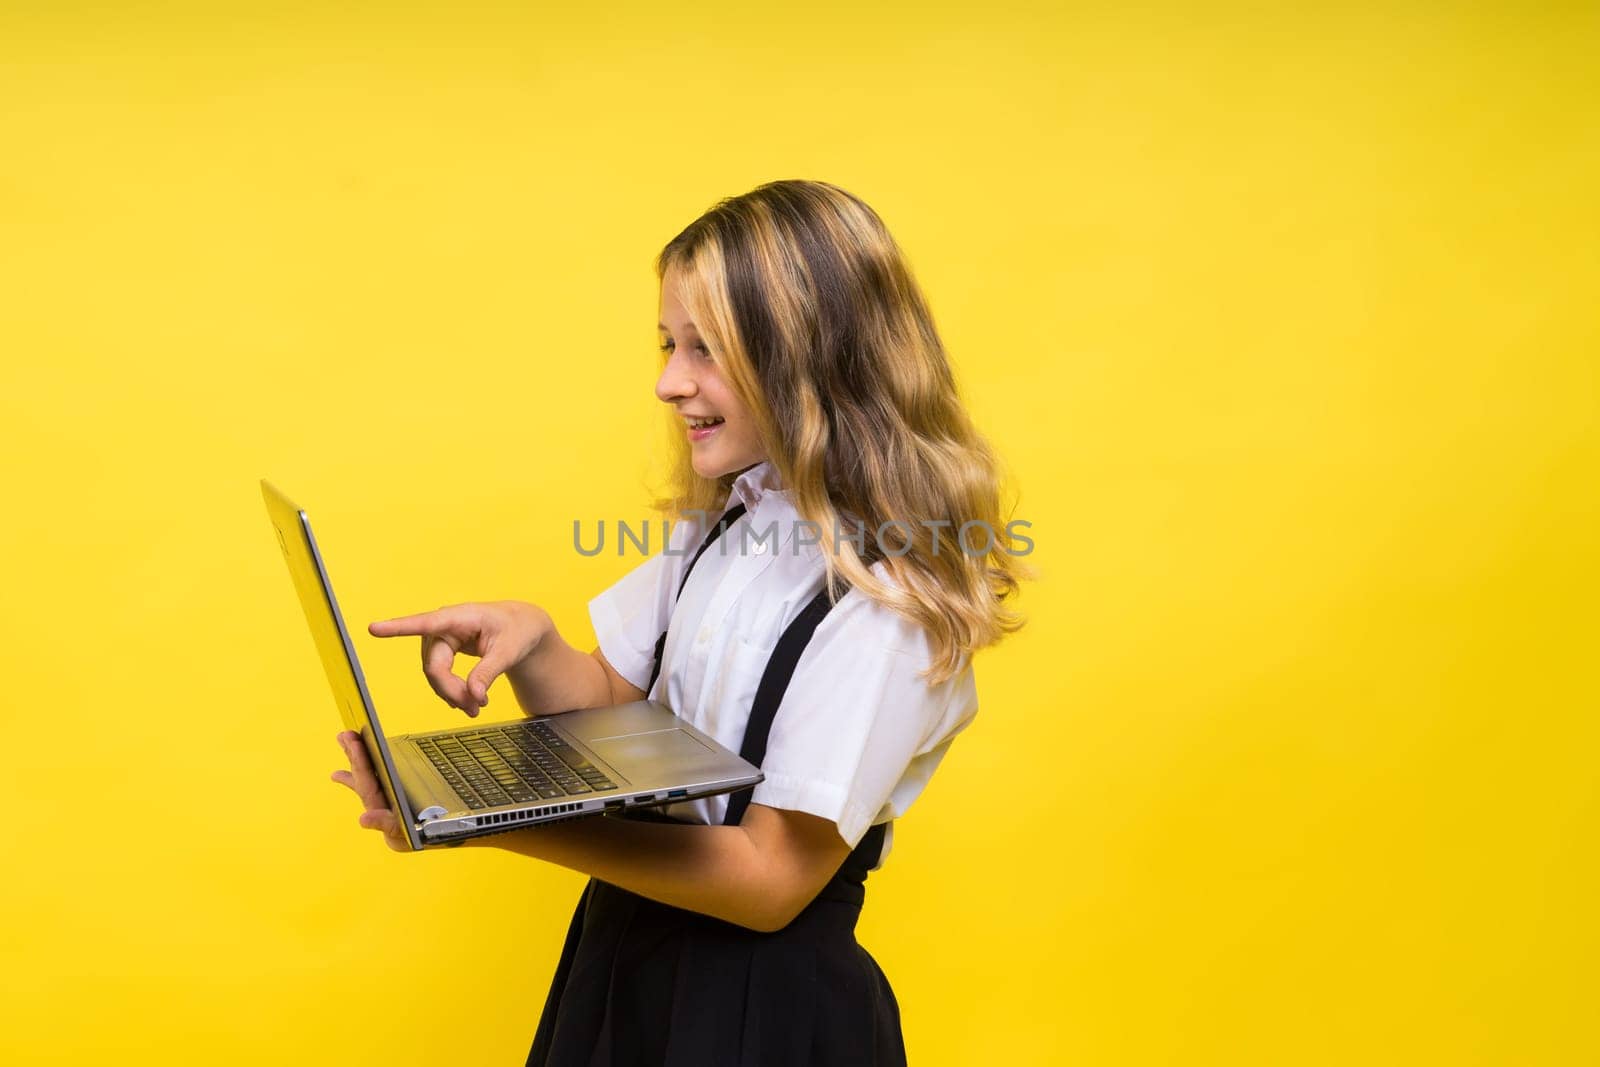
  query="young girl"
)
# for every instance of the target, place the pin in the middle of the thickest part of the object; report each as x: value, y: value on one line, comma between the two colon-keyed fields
x: 841, y: 555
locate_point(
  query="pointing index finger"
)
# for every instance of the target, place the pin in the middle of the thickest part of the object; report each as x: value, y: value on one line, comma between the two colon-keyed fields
x: 427, y: 622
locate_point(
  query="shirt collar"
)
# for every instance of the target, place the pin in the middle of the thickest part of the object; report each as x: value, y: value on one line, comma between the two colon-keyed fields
x: 755, y: 483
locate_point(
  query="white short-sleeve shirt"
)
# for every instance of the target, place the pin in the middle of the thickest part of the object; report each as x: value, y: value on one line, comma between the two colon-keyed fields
x: 857, y: 735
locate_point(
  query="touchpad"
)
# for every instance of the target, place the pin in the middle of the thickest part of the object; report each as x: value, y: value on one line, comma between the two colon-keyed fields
x: 671, y: 744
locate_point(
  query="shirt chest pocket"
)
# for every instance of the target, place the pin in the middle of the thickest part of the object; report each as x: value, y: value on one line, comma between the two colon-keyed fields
x: 733, y: 692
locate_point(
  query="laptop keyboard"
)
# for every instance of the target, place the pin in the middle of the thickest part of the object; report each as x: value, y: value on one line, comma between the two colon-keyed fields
x: 516, y: 763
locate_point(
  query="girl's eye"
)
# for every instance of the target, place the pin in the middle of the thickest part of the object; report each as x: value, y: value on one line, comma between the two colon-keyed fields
x: 702, y: 349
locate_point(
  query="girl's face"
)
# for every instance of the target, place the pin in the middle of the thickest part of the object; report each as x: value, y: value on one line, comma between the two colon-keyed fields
x: 693, y: 384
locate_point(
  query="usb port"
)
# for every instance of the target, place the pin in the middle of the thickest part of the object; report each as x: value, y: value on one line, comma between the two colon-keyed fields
x: 677, y: 793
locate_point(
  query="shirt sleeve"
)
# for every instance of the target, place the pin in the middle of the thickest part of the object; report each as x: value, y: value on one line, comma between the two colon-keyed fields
x: 631, y: 615
x: 858, y: 733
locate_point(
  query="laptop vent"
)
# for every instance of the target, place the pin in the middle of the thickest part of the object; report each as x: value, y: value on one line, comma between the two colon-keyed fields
x: 495, y: 818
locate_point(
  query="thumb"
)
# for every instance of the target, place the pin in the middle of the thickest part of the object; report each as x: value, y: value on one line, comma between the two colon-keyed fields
x: 491, y: 666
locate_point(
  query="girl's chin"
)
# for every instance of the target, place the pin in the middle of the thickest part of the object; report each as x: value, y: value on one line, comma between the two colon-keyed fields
x: 708, y: 468
x: 711, y: 467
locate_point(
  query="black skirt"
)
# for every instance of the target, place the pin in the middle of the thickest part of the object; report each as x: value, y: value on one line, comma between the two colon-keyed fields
x: 645, y: 984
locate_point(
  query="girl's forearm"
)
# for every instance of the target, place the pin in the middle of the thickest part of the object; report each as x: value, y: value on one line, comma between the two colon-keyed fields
x: 556, y: 677
x: 713, y: 870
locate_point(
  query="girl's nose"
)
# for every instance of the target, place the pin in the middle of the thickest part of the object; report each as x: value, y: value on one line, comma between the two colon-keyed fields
x: 674, y: 384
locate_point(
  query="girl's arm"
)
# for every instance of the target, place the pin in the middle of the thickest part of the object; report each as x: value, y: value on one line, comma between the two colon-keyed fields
x: 759, y: 874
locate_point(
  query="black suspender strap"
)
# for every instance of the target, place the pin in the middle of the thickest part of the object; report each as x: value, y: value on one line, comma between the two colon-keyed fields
x: 866, y: 854
x: 769, y: 693
x: 729, y: 517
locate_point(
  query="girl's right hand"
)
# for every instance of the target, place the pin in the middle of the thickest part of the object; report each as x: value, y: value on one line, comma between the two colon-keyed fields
x: 503, y: 634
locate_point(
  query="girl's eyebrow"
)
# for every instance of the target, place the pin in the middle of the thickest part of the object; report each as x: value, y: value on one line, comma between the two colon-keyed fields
x: 663, y: 327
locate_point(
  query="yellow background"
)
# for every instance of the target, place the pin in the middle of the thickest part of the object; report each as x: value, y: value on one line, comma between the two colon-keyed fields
x: 1282, y: 320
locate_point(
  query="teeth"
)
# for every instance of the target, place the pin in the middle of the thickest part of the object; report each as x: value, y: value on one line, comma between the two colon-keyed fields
x: 700, y: 424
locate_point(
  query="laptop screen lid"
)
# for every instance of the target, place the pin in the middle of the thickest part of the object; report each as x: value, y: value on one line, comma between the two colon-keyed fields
x: 333, y: 643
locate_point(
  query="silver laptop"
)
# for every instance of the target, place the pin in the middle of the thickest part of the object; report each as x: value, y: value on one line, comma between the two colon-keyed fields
x: 484, y: 779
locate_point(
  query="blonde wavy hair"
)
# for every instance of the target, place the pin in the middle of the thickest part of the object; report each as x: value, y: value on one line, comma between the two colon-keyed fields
x: 810, y: 309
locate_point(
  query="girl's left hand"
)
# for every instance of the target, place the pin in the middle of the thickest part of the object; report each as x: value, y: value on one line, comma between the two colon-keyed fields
x: 361, y: 780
